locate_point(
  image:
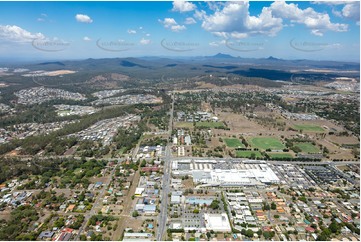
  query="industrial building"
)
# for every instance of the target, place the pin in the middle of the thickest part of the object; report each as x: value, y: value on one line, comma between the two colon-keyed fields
x: 222, y: 173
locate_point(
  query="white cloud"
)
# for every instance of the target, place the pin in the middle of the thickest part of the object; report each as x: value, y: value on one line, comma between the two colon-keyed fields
x: 234, y: 20
x: 190, y: 21
x: 147, y: 35
x: 168, y: 22
x: 217, y: 43
x: 200, y: 14
x: 42, y: 17
x: 82, y: 18
x: 131, y: 31
x: 16, y: 34
x: 215, y: 6
x: 145, y: 41
x: 317, y: 22
x: 183, y: 6
x: 86, y: 38
x: 140, y: 27
x: 352, y: 11
x: 177, y: 28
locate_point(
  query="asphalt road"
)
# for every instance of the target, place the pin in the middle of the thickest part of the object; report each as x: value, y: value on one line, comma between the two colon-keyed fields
x: 163, y: 215
x: 98, y: 201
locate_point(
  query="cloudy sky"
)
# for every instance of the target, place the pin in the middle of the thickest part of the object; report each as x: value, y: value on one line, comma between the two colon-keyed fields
x: 75, y: 30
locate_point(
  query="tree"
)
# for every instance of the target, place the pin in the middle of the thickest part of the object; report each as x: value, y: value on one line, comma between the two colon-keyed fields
x: 215, y: 204
x: 196, y: 211
x: 266, y: 206
x: 273, y: 206
x: 83, y: 237
x: 135, y: 214
x: 268, y: 235
x: 334, y: 227
x: 249, y: 233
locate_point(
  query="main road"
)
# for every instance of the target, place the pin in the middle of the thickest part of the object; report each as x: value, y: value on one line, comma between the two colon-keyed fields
x: 163, y: 214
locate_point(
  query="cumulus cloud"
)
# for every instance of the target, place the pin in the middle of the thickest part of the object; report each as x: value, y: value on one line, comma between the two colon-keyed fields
x: 183, y: 6
x: 131, y: 31
x: 234, y: 20
x: 190, y: 21
x: 16, y: 34
x: 145, y: 41
x: 350, y: 9
x: 317, y: 22
x: 170, y: 23
x: 82, y: 18
x: 86, y: 38
x: 167, y: 22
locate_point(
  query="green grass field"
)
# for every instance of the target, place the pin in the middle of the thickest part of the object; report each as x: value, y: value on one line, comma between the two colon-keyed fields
x: 280, y: 155
x: 308, y: 127
x: 307, y: 147
x: 248, y: 153
x: 233, y: 143
x: 267, y: 143
x: 209, y: 125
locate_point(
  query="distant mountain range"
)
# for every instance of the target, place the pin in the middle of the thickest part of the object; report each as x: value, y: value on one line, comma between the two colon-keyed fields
x: 220, y: 64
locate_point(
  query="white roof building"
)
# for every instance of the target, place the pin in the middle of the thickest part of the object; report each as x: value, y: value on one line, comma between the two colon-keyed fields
x: 139, y: 191
x: 217, y: 222
x: 175, y: 199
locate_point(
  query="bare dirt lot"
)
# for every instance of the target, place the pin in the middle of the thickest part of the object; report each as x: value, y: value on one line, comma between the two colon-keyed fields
x: 342, y: 139
x: 188, y: 183
x: 335, y: 151
x: 237, y: 123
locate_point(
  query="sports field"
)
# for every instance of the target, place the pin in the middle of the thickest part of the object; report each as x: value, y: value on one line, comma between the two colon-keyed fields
x: 308, y: 127
x: 307, y: 147
x: 280, y: 155
x: 248, y: 154
x: 267, y: 143
x: 209, y: 125
x: 233, y: 143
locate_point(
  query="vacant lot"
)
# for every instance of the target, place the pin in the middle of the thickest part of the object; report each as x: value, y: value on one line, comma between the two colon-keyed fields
x: 308, y: 127
x: 342, y: 139
x: 209, y: 125
x: 238, y: 123
x: 267, y: 143
x: 280, y: 155
x: 184, y: 125
x: 307, y: 147
x: 248, y: 154
x: 232, y: 143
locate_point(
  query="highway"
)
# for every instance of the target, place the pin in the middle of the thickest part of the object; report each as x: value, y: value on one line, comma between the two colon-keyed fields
x: 163, y: 215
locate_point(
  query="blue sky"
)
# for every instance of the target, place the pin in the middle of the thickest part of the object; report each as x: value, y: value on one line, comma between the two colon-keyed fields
x: 77, y: 30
